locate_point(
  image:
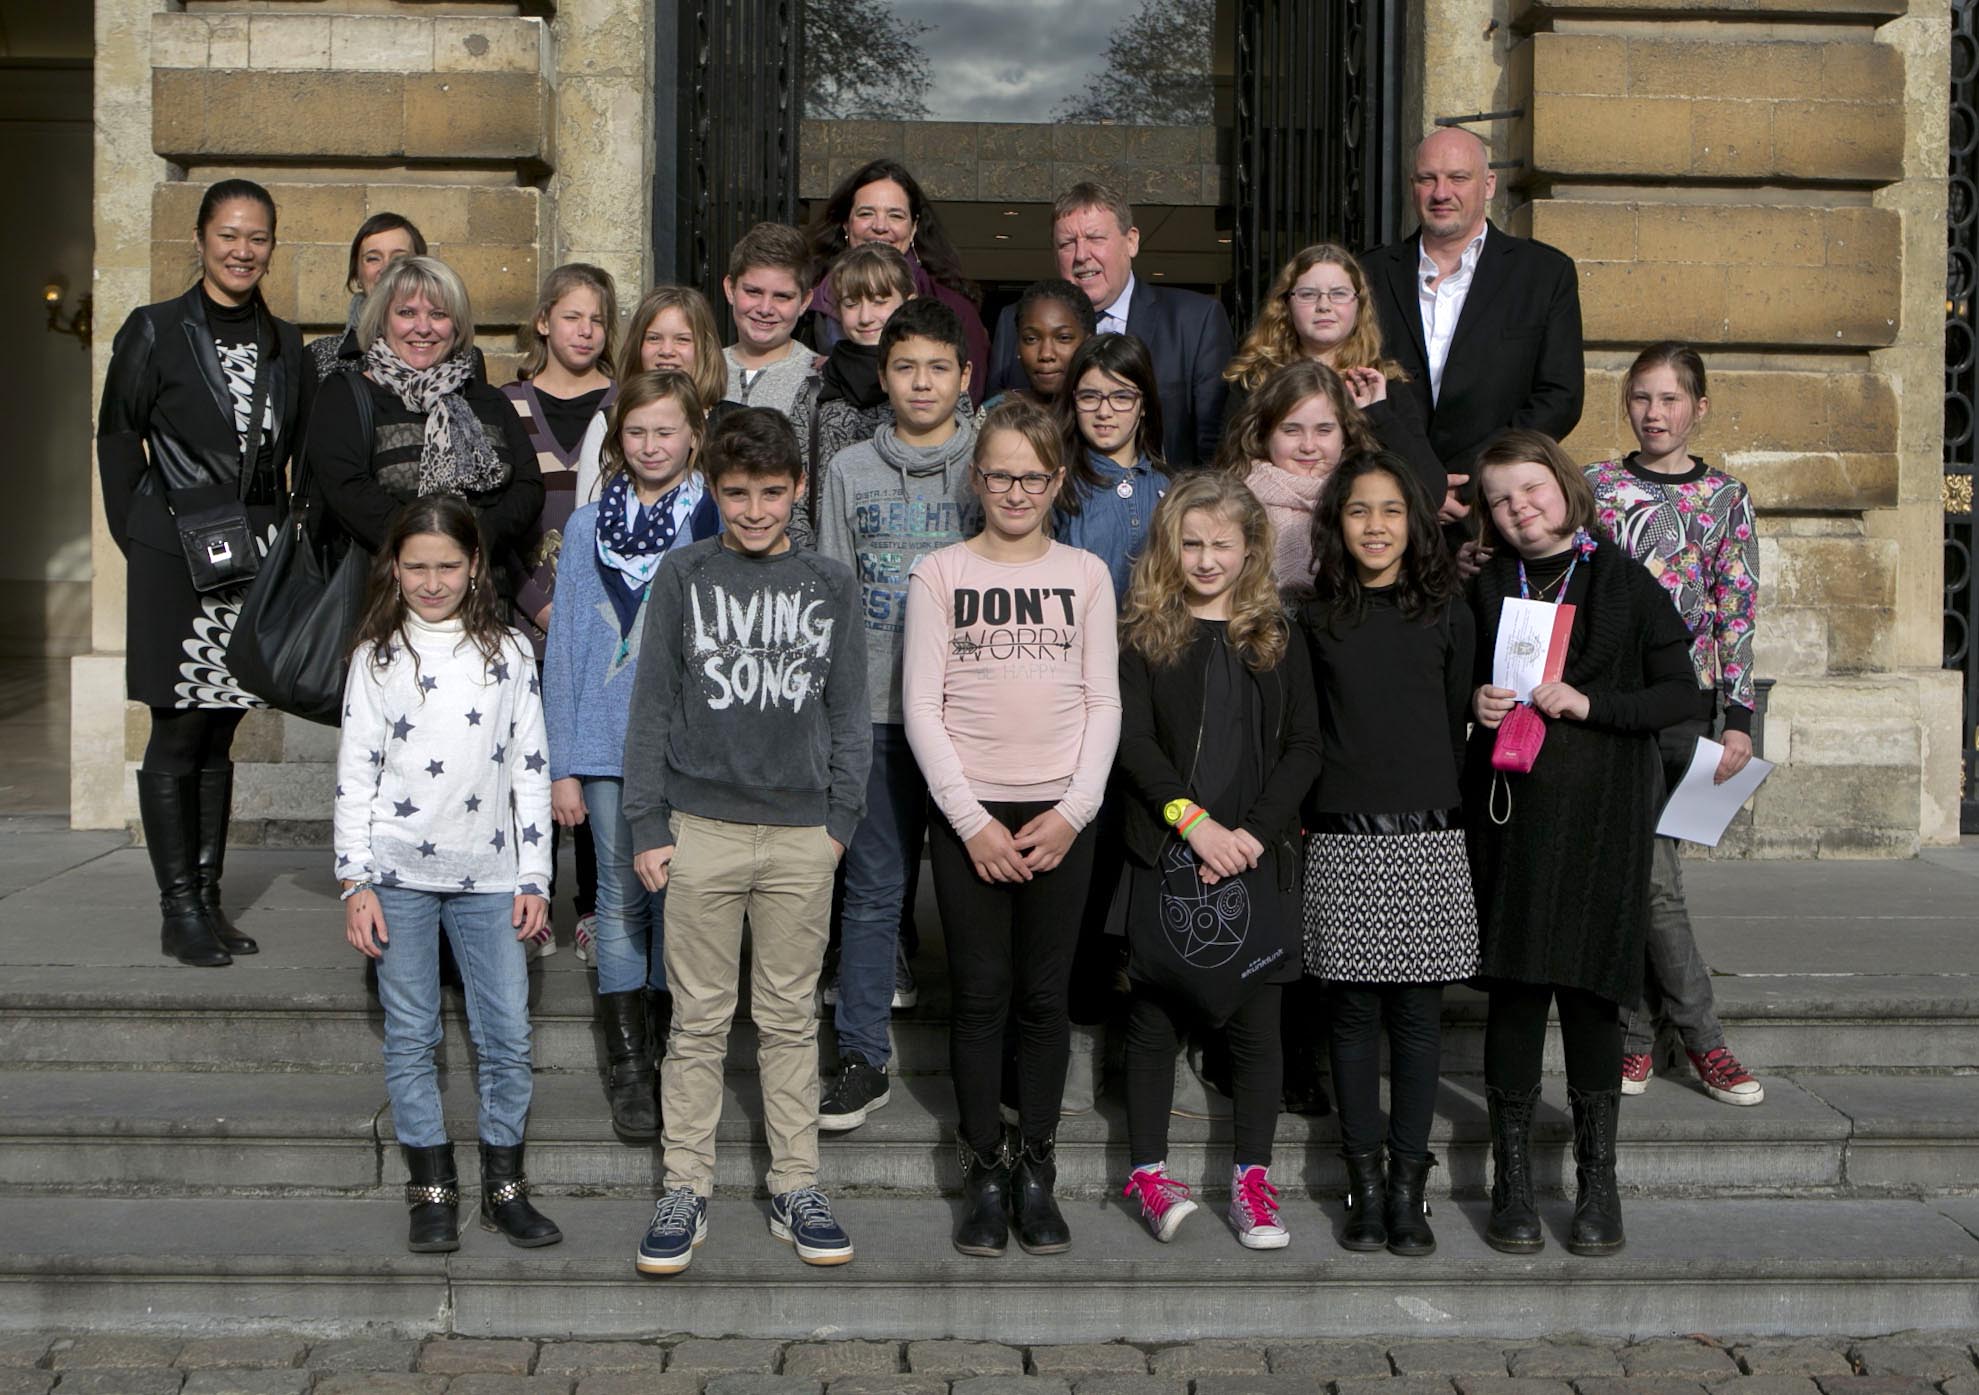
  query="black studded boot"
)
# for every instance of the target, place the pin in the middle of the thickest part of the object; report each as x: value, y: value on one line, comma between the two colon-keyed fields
x: 629, y: 1075
x: 1597, y: 1228
x: 1408, y: 1212
x: 505, y: 1200
x: 1040, y: 1226
x: 1366, y: 1229
x: 433, y: 1196
x: 1514, y: 1226
x: 216, y: 812
x: 167, y: 804
x: 985, y: 1228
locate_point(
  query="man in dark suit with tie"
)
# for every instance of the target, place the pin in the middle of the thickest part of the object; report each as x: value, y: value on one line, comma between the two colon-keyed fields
x: 1186, y: 334
x: 1487, y: 324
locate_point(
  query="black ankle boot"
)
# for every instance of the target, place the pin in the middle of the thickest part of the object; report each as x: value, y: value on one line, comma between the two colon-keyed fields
x: 1041, y: 1229
x: 167, y: 804
x: 433, y: 1194
x: 1597, y: 1228
x: 1366, y: 1229
x: 1514, y: 1226
x: 505, y: 1200
x: 1408, y: 1213
x: 216, y: 811
x: 985, y: 1228
x: 629, y: 1077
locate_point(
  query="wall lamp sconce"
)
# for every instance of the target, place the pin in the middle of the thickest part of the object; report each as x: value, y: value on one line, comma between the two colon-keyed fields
x: 79, y: 323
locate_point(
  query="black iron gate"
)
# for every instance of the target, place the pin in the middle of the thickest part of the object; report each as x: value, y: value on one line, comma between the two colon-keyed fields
x: 739, y: 64
x: 1962, y: 392
x: 1318, y: 125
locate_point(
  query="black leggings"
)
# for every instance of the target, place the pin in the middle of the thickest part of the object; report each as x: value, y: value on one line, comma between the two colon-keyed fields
x: 187, y: 740
x: 1009, y: 943
x: 1515, y: 1037
x: 1257, y: 1073
x: 1412, y: 1013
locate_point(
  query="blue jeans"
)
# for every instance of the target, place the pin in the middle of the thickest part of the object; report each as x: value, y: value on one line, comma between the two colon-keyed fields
x: 631, y: 930
x: 879, y: 865
x: 494, y: 974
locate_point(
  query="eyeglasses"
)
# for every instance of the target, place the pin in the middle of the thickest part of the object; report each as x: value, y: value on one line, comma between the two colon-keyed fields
x: 1120, y: 399
x: 999, y: 481
x: 1312, y: 295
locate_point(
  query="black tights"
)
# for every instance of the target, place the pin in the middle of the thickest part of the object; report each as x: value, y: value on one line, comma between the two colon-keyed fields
x: 1515, y: 1037
x: 1412, y: 1014
x: 187, y: 740
x: 1257, y: 1073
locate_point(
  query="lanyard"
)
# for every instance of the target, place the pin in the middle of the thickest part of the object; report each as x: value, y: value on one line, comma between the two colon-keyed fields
x: 1583, y: 547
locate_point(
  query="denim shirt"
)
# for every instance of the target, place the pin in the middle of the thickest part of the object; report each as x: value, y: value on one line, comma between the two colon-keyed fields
x: 1112, y: 527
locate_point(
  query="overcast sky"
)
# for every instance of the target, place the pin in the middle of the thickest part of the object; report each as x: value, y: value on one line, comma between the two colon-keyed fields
x: 1011, y: 60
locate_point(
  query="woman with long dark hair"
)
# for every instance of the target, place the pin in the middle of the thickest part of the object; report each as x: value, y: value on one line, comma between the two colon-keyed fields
x: 882, y: 202
x: 201, y: 411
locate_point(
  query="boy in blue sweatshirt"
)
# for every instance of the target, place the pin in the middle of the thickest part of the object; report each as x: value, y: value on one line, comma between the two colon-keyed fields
x: 887, y: 503
x: 745, y: 775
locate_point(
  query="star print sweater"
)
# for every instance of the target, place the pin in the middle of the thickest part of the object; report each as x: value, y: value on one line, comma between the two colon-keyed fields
x: 443, y: 777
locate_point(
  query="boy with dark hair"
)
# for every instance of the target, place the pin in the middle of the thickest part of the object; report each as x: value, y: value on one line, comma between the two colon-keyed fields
x: 887, y: 503
x: 745, y: 775
x: 768, y: 284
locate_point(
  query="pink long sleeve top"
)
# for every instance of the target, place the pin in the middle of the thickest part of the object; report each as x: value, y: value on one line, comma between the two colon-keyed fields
x: 1012, y: 682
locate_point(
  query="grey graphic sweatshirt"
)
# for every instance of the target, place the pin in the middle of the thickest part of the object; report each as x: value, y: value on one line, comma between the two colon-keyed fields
x: 885, y: 506
x: 750, y: 702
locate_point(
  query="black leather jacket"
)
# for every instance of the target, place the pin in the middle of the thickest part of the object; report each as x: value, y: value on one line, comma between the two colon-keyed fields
x: 167, y: 421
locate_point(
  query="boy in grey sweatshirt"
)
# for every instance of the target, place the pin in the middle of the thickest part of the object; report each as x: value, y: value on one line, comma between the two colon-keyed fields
x: 745, y: 775
x: 887, y: 503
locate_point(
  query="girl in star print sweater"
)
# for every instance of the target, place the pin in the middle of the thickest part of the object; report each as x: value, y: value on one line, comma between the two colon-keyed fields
x: 443, y: 825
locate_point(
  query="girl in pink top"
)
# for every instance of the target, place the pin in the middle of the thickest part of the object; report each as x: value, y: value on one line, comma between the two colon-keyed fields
x: 1013, y: 711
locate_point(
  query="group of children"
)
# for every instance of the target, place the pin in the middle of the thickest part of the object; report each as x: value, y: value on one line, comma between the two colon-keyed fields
x: 1244, y: 717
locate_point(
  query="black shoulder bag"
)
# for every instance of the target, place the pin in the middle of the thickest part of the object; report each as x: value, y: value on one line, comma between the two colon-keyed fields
x: 291, y: 643
x: 219, y: 539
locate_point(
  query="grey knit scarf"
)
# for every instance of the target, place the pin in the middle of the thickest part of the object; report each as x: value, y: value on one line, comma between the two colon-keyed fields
x: 457, y: 457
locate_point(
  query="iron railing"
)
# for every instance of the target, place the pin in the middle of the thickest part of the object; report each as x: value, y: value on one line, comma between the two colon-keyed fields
x: 1962, y: 391
x: 1319, y: 145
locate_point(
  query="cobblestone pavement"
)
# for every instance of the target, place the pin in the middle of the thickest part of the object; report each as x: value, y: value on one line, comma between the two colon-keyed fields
x: 1913, y: 1364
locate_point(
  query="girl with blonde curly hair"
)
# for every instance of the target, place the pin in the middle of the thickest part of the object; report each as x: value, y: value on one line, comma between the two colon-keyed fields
x: 1219, y: 743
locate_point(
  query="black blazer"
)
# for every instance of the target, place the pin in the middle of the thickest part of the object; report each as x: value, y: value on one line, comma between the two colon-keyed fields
x: 167, y: 420
x: 1188, y: 337
x: 1516, y: 357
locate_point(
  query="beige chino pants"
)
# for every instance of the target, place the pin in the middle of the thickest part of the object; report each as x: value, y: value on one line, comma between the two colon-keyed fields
x: 780, y: 878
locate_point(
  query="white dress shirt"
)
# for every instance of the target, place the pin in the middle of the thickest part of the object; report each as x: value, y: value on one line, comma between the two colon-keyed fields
x: 1113, y: 319
x: 1443, y: 305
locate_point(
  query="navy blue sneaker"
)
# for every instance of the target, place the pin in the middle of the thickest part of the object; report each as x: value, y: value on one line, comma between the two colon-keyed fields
x: 680, y: 1222
x: 803, y: 1218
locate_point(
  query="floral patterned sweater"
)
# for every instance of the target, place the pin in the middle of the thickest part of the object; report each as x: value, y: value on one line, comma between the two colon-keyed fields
x: 1695, y: 533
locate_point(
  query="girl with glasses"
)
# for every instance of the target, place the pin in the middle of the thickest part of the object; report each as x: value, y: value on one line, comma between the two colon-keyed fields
x: 1013, y: 711
x: 1319, y: 311
x: 1109, y: 410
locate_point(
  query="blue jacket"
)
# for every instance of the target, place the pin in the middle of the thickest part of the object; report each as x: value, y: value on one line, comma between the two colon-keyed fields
x: 587, y: 680
x: 1111, y: 527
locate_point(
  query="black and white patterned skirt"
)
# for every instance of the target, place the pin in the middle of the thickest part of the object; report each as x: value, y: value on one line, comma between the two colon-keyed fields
x: 1390, y: 907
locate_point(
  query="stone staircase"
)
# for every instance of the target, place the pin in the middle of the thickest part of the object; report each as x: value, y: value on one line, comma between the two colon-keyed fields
x: 211, y: 1151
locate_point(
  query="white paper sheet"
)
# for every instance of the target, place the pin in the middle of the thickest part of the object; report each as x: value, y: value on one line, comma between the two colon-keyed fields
x: 1525, y: 634
x: 1699, y: 810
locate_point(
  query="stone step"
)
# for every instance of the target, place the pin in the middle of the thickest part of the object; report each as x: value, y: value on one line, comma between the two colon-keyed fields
x: 321, y: 1018
x: 332, y: 1267
x: 245, y: 1133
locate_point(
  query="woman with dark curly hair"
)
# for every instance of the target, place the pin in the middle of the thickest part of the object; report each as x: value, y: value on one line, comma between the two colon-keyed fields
x: 882, y: 202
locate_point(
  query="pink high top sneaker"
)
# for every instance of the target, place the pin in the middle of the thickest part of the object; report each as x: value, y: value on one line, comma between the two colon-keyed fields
x: 1164, y: 1201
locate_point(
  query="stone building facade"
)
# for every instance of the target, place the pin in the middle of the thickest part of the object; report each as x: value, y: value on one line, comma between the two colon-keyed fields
x: 1762, y: 177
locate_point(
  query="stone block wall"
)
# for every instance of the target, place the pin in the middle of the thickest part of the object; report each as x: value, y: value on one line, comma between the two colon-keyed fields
x: 515, y: 142
x: 1765, y: 180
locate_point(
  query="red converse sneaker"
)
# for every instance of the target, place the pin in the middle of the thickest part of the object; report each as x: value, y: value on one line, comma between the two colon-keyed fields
x: 1636, y: 1073
x: 1164, y: 1201
x: 1725, y: 1080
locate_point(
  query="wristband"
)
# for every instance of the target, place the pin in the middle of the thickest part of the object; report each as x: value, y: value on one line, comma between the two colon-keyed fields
x: 1195, y: 816
x: 351, y: 891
